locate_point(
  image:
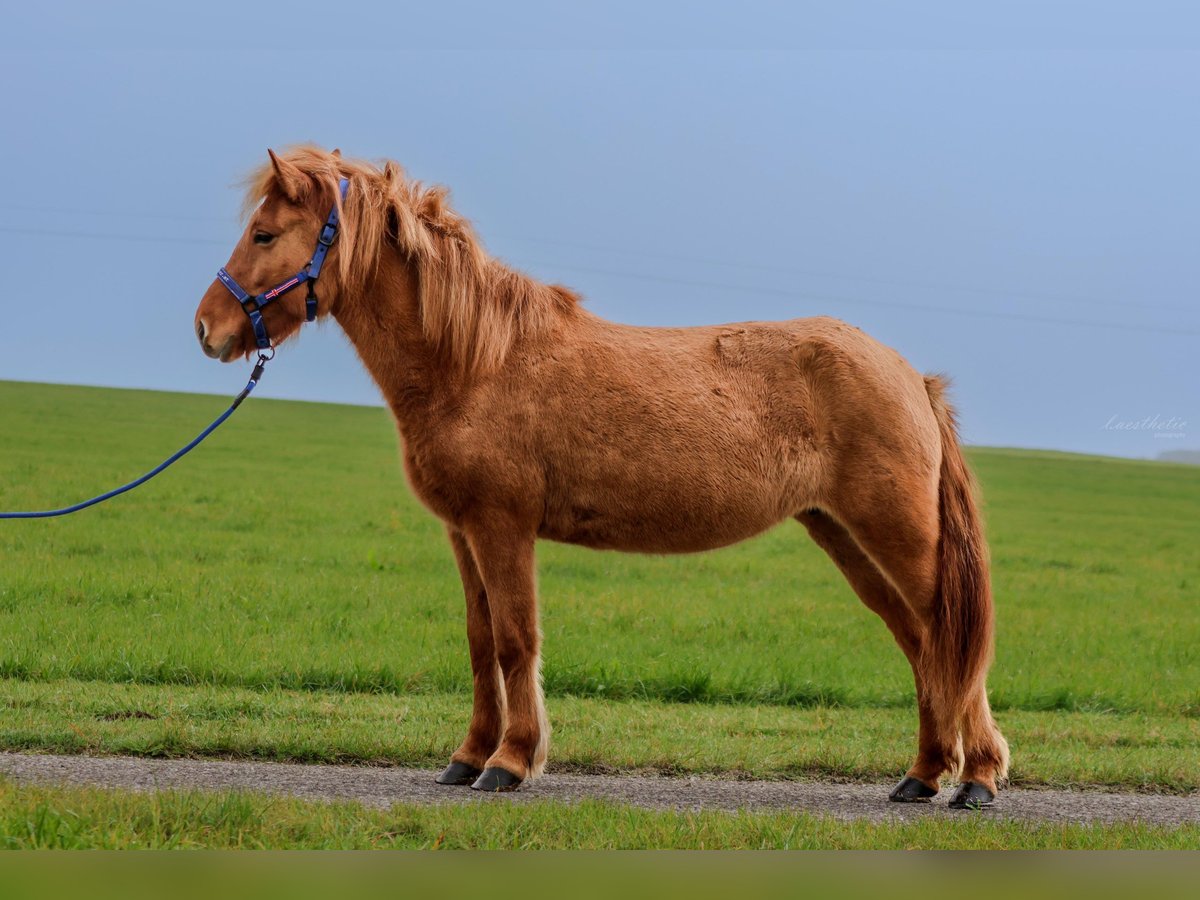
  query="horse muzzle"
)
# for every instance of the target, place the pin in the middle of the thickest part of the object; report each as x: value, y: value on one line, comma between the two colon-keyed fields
x: 223, y: 351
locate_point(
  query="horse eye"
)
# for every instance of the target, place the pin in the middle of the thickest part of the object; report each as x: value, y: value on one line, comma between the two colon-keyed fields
x: 261, y: 237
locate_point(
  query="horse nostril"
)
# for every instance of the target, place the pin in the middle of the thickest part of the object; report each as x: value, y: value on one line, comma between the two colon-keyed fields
x: 200, y: 331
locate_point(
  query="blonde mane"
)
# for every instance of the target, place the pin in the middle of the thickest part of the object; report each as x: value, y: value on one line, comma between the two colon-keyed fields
x: 473, y: 307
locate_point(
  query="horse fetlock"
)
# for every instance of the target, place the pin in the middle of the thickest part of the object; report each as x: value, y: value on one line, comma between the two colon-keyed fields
x: 988, y: 775
x: 474, y: 753
x: 987, y: 760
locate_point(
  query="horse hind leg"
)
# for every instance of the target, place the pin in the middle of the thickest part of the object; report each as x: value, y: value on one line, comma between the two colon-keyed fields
x: 951, y: 607
x: 938, y: 750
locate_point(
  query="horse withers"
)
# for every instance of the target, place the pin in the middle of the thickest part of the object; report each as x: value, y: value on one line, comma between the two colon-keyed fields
x: 523, y: 416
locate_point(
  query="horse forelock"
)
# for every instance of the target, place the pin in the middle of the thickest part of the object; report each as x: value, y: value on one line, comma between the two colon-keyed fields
x: 473, y: 306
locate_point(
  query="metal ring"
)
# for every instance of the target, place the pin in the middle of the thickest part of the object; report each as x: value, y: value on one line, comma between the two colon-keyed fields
x: 262, y: 354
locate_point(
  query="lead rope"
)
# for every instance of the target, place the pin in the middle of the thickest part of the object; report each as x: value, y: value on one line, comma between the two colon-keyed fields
x: 255, y: 376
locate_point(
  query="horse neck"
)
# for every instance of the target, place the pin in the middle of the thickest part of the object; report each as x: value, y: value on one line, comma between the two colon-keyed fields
x: 384, y: 325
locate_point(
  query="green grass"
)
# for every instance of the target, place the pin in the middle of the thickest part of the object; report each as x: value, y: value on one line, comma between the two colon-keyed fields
x: 280, y: 594
x: 289, y: 553
x: 1149, y: 752
x: 33, y: 817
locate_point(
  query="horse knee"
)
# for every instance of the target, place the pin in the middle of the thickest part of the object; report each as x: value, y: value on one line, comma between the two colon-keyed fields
x: 516, y: 653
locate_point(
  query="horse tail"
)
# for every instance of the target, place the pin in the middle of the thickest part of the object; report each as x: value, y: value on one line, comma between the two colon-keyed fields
x: 959, y: 652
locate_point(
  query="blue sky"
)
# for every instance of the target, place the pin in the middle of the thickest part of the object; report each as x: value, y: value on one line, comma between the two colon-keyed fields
x: 1007, y: 195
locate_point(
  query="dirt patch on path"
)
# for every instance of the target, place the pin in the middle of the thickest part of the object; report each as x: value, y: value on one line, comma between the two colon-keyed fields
x: 382, y: 787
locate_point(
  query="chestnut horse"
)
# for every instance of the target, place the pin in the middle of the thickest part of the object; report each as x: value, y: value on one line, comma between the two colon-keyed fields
x: 523, y: 416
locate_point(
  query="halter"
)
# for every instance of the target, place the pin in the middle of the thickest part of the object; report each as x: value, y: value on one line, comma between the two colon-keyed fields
x: 253, y: 305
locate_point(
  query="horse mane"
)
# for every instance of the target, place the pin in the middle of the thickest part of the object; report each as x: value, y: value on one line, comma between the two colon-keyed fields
x: 473, y: 307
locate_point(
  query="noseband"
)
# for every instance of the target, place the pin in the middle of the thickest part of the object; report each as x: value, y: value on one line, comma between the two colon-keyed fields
x: 253, y: 305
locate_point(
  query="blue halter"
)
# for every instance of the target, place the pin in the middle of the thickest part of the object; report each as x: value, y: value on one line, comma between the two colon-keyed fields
x: 253, y: 305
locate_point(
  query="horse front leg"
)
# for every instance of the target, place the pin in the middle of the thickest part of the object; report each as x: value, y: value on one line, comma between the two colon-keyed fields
x: 488, y: 711
x: 504, y: 554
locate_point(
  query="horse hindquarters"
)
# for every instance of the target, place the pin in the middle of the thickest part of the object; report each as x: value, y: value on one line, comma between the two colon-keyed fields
x: 912, y: 546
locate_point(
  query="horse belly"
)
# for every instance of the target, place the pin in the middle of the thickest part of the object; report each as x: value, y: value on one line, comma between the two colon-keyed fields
x: 702, y: 449
x: 669, y: 513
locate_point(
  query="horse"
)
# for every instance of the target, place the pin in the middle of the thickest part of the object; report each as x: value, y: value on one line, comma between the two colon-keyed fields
x: 524, y: 416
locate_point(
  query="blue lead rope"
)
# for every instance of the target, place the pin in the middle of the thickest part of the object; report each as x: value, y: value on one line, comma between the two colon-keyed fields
x: 66, y: 510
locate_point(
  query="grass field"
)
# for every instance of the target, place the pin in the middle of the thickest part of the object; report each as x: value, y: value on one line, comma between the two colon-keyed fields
x: 280, y: 594
x: 74, y: 818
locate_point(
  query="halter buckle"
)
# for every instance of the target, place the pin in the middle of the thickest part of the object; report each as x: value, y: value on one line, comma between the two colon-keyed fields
x: 328, y: 233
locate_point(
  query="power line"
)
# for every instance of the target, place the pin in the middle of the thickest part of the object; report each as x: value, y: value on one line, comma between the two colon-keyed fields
x: 109, y: 213
x: 676, y: 257
x: 744, y: 289
x: 887, y: 282
x: 838, y: 298
x: 100, y: 236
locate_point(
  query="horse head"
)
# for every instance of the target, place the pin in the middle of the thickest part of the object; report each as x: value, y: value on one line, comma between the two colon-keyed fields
x: 252, y: 304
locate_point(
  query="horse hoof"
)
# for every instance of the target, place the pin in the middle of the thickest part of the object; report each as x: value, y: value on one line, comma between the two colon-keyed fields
x: 972, y: 795
x: 911, y: 790
x: 496, y: 780
x: 458, y: 773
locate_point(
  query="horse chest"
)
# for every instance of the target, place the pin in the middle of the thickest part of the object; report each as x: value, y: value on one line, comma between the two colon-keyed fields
x: 458, y: 470
x: 439, y: 476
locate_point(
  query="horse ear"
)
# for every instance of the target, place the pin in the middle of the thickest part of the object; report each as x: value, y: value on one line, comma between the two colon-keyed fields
x: 293, y: 182
x: 336, y: 154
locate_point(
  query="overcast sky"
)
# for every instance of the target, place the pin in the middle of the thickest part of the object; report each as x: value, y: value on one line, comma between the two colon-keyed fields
x: 1011, y: 199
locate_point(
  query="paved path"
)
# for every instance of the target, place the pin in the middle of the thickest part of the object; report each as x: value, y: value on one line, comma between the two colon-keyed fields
x: 381, y: 787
